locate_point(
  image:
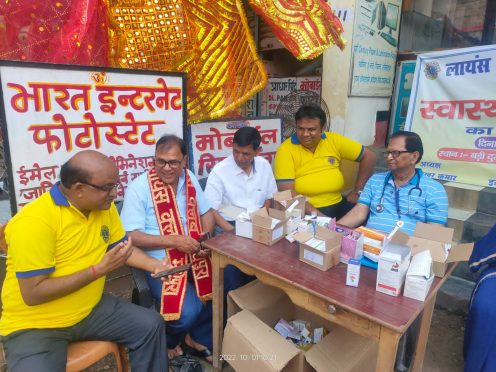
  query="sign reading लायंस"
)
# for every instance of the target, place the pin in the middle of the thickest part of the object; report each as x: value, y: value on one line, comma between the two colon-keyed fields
x: 51, y: 112
x: 453, y: 108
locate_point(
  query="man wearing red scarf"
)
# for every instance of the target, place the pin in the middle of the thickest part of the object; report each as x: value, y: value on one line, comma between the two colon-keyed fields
x: 165, y: 213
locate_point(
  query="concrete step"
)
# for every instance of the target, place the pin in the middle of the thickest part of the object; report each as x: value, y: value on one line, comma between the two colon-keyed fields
x: 477, y: 225
x: 471, y: 197
x: 487, y: 201
x: 456, y: 220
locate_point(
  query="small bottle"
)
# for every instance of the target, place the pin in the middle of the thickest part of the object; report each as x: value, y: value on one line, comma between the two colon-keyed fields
x: 314, y: 222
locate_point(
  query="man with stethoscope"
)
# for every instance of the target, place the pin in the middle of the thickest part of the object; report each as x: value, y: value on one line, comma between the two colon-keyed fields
x: 401, y: 197
x: 402, y: 194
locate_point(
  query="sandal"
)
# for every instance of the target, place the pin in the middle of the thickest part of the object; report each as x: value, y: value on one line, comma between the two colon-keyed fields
x: 188, y: 350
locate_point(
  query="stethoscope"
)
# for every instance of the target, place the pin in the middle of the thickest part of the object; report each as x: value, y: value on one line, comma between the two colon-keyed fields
x: 380, y: 207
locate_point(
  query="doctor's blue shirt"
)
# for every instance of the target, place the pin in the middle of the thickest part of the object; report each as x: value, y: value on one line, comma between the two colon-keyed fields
x: 426, y: 203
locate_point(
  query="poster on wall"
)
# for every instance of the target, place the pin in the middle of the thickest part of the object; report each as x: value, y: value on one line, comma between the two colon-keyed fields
x: 374, y: 47
x: 279, y: 88
x: 51, y: 112
x: 453, y: 108
x: 212, y: 141
x: 401, y: 99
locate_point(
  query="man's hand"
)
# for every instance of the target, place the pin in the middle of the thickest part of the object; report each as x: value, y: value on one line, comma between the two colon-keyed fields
x: 115, y: 258
x: 353, y: 196
x: 163, y: 264
x: 185, y: 244
x: 203, y: 252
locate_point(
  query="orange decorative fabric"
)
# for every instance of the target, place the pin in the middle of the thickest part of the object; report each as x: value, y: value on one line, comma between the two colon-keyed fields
x: 208, y: 40
x: 304, y: 27
x: 153, y: 35
x: 224, y: 70
x: 169, y: 222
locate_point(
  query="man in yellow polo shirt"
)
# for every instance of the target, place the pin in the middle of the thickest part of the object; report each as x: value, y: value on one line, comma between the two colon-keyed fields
x: 60, y: 247
x: 308, y: 162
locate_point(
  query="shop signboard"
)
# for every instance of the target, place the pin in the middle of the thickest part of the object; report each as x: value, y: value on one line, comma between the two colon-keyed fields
x: 374, y: 47
x: 453, y: 108
x: 212, y: 141
x: 51, y: 112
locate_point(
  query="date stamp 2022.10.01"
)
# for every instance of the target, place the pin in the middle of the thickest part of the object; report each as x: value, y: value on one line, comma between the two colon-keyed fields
x: 247, y: 357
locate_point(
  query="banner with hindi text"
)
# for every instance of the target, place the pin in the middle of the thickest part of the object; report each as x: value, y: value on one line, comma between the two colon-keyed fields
x: 51, y: 112
x: 453, y: 109
x: 212, y: 141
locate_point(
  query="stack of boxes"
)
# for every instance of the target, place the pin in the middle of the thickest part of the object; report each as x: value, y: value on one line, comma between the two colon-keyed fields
x: 324, y: 247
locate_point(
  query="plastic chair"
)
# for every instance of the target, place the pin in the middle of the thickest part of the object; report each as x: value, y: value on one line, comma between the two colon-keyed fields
x: 83, y: 354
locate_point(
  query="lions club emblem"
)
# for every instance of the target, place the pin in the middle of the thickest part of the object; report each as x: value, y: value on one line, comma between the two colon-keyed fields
x: 105, y: 233
x: 431, y: 70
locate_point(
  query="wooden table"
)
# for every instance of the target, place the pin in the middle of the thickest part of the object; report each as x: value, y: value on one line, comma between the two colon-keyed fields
x: 362, y: 310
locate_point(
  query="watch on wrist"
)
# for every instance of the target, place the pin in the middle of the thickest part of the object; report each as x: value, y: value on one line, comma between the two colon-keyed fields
x: 359, y: 192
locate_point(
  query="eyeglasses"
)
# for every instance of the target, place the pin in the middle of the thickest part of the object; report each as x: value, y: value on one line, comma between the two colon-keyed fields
x: 173, y: 164
x: 104, y: 188
x: 394, y: 154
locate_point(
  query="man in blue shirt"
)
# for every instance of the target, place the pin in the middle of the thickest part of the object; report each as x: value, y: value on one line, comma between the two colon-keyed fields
x: 165, y: 212
x: 402, y: 194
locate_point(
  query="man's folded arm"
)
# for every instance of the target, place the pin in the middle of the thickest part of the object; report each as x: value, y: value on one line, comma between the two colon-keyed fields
x: 37, y: 289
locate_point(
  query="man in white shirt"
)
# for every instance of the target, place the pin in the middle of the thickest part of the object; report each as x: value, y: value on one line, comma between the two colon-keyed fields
x: 244, y: 179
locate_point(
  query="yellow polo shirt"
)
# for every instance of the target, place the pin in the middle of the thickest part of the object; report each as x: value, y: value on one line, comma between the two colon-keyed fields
x: 316, y: 174
x: 50, y: 236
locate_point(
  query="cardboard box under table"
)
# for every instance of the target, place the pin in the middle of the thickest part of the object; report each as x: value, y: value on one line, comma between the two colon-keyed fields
x: 439, y: 241
x: 321, y: 251
x: 268, y: 226
x: 251, y: 344
x: 363, y: 310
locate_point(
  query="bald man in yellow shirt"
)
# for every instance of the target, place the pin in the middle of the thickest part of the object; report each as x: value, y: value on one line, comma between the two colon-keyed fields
x: 60, y: 248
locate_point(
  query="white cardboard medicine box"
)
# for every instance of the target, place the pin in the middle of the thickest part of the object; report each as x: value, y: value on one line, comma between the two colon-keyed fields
x: 244, y: 228
x: 391, y: 271
x: 417, y: 287
x: 419, y: 276
x: 251, y: 344
x: 327, y: 255
x: 268, y: 227
x: 437, y: 239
